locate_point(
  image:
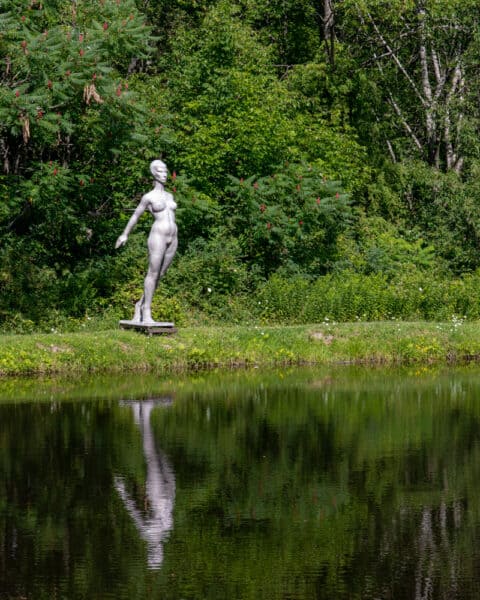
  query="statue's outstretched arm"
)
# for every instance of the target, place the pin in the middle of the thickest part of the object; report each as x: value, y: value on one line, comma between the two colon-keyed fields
x: 141, y: 208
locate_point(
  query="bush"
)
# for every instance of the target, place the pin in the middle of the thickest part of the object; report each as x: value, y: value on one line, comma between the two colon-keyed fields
x: 349, y: 296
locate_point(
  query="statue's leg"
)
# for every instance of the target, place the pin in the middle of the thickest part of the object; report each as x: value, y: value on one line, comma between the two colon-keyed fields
x: 168, y: 257
x: 151, y: 281
x: 137, y: 315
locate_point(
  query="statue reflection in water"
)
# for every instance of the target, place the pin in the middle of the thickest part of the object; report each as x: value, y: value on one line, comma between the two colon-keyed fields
x: 154, y: 524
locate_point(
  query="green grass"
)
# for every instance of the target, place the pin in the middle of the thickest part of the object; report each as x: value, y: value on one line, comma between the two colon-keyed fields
x: 193, y: 348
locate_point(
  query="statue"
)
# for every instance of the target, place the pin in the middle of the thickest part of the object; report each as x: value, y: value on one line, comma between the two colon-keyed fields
x: 162, y: 241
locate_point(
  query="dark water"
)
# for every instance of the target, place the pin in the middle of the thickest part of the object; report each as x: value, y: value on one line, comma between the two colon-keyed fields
x: 292, y: 485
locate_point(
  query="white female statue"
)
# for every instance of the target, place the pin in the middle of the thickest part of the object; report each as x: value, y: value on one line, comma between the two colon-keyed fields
x: 162, y: 241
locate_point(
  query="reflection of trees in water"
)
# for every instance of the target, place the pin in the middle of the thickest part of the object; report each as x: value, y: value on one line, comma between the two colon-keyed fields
x: 437, y: 551
x: 155, y: 521
x: 424, y: 553
x: 374, y: 490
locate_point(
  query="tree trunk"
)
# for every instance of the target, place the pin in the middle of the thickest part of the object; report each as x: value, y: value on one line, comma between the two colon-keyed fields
x: 328, y: 30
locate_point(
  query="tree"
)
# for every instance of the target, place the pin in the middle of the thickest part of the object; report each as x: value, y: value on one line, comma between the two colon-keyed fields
x: 66, y: 112
x: 420, y: 54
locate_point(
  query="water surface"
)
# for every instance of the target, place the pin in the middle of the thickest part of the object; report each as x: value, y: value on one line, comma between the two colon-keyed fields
x: 286, y: 484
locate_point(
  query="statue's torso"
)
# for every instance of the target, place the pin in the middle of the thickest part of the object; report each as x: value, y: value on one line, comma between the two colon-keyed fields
x: 159, y: 202
x: 162, y: 206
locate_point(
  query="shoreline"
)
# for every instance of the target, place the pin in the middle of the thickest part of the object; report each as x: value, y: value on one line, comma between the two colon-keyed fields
x: 387, y: 343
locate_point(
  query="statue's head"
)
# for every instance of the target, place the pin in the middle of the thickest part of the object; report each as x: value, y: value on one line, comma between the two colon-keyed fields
x: 159, y: 170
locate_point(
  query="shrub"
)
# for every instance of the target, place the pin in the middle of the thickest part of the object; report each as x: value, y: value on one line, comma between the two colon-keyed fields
x: 349, y: 296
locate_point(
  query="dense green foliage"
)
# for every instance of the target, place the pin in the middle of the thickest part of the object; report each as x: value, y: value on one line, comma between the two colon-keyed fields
x: 342, y: 152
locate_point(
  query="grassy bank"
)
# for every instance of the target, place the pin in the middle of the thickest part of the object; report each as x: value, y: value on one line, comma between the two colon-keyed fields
x: 205, y: 347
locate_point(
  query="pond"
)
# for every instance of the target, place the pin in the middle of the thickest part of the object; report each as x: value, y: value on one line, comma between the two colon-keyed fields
x: 291, y: 484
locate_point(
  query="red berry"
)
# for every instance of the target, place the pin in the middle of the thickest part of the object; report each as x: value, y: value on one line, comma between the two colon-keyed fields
x: 263, y: 208
x: 82, y: 182
x: 55, y: 171
x: 105, y: 26
x: 81, y: 52
x: 49, y: 84
x: 68, y: 73
x: 300, y: 223
x: 269, y: 225
x: 80, y: 38
x: 23, y: 18
x: 119, y: 91
x: 318, y: 200
x: 94, y: 76
x: 17, y: 93
x: 174, y: 189
x: 174, y: 175
x: 337, y: 195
